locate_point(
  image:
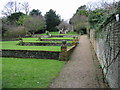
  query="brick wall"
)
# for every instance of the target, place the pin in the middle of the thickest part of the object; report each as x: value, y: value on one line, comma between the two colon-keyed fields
x: 107, y: 48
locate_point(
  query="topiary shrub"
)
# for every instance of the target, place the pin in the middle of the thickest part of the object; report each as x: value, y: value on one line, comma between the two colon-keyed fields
x: 47, y: 32
x: 20, y: 42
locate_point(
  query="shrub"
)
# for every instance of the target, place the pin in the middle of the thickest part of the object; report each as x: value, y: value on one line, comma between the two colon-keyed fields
x: 47, y: 32
x: 15, y: 32
x: 34, y: 23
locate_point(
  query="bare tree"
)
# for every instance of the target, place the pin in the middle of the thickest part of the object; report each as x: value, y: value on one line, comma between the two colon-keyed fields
x: 14, y: 6
x: 26, y: 7
x: 92, y: 5
x: 79, y: 22
x: 11, y: 7
x: 105, y: 4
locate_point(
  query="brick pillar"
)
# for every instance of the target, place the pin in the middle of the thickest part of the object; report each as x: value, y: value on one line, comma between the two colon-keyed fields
x: 74, y: 42
x: 63, y: 48
x: 63, y: 53
x: 77, y: 39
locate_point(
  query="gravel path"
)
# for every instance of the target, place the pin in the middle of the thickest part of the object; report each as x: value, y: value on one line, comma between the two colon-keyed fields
x: 80, y: 71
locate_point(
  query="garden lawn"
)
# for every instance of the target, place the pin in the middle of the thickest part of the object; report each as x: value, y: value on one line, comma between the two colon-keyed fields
x: 36, y: 39
x: 59, y: 38
x: 56, y: 33
x: 12, y: 46
x: 29, y: 73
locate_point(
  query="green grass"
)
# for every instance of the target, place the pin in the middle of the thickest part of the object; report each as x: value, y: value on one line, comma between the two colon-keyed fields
x: 30, y: 39
x: 56, y: 33
x: 12, y: 46
x: 29, y: 73
x: 35, y: 40
x: 59, y: 38
x: 47, y: 41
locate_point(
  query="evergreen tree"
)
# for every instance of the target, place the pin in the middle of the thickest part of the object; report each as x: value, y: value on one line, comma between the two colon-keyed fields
x: 35, y: 12
x: 52, y: 20
x: 13, y: 18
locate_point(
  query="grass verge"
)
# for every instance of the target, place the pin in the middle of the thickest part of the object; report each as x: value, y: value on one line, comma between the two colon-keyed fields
x: 35, y: 39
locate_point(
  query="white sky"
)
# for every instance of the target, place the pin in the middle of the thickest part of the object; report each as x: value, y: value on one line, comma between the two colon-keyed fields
x: 65, y: 8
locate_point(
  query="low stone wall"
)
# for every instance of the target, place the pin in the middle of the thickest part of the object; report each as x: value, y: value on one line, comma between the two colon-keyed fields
x: 44, y: 44
x: 65, y: 54
x: 70, y: 50
x: 31, y: 54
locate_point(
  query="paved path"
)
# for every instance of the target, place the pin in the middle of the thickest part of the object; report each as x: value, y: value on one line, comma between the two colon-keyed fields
x: 80, y: 71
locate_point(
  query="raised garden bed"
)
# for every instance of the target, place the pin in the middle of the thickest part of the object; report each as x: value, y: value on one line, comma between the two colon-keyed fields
x: 32, y: 48
x: 57, y: 55
x: 11, y: 45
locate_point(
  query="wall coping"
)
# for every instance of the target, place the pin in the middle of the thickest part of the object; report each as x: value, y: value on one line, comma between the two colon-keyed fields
x: 71, y: 48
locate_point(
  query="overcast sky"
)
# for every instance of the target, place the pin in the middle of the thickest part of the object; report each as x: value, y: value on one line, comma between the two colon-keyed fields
x: 65, y: 8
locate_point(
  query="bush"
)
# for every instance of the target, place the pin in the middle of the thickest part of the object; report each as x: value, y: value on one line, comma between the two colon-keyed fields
x: 15, y: 32
x: 47, y: 32
x: 55, y: 29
